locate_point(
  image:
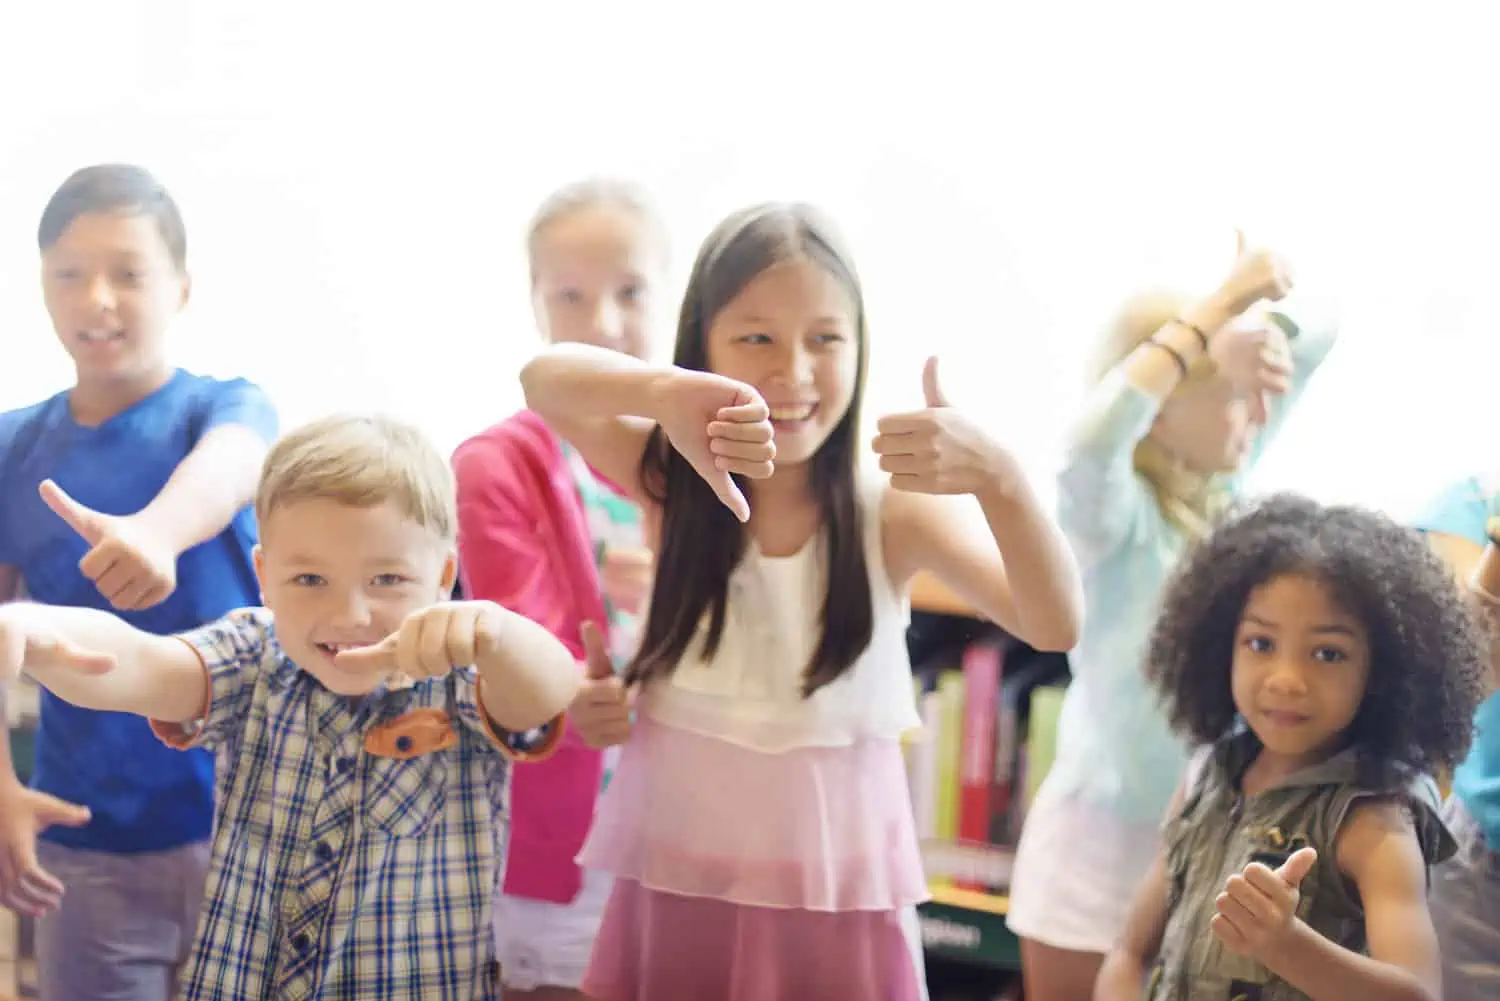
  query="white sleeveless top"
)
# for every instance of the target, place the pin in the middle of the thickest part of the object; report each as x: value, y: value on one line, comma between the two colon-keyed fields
x: 750, y: 692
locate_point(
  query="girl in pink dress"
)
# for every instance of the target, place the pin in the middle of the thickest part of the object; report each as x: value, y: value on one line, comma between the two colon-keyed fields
x: 758, y: 825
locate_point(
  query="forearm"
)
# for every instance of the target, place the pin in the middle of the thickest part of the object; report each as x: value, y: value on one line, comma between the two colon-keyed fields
x: 579, y: 382
x: 1154, y: 370
x: 1045, y: 587
x: 530, y: 679
x: 8, y: 778
x: 1325, y: 971
x: 208, y: 488
x: 136, y: 684
x: 1122, y: 976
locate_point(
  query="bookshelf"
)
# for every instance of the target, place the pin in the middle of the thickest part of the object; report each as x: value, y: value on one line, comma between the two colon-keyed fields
x: 960, y: 925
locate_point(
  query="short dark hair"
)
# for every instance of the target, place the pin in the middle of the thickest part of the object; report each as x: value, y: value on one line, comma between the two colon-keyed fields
x: 110, y: 188
x: 1429, y: 654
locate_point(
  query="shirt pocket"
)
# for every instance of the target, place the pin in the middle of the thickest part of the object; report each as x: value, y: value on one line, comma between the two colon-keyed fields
x: 406, y: 797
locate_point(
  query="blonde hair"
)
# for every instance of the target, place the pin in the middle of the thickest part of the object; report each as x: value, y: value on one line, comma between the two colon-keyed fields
x: 593, y: 193
x: 361, y: 461
x: 1188, y: 500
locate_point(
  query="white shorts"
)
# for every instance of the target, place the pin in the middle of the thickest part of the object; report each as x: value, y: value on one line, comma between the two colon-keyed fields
x: 542, y: 944
x: 1077, y: 867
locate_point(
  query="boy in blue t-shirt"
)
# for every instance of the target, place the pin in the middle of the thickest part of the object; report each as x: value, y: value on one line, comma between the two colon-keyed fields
x: 1466, y: 890
x: 129, y: 492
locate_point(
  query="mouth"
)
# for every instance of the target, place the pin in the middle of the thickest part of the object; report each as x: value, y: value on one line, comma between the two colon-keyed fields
x: 332, y: 650
x: 792, y: 415
x: 101, y: 336
x: 1284, y: 717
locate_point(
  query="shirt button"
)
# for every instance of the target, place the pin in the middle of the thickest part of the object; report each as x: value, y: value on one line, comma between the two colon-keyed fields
x: 301, y: 942
x: 344, y: 765
x: 322, y: 851
x: 403, y: 744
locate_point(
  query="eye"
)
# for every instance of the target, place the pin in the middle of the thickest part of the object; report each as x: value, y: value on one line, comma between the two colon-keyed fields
x: 571, y: 296
x: 308, y: 580
x: 1330, y: 655
x: 1258, y: 644
x: 824, y: 339
x: 66, y: 274
x: 389, y: 580
x: 630, y: 293
x: 755, y: 339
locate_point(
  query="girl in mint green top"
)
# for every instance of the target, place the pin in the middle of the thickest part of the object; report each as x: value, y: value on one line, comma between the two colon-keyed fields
x: 1188, y: 396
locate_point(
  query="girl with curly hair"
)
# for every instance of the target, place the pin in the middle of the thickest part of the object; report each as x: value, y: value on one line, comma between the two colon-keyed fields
x: 1323, y: 659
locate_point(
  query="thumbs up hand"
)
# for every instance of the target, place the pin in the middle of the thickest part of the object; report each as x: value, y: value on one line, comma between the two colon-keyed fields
x: 937, y: 450
x: 127, y: 561
x: 601, y: 711
x: 1258, y: 907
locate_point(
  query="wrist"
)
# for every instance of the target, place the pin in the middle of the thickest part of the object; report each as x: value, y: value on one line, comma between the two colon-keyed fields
x: 1210, y: 314
x: 1286, y: 951
x: 1002, y: 483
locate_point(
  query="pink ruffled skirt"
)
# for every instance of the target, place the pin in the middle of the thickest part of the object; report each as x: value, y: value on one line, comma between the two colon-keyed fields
x: 746, y: 876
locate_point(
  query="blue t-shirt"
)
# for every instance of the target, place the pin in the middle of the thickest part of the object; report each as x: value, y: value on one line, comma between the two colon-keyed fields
x: 1462, y: 510
x: 144, y: 796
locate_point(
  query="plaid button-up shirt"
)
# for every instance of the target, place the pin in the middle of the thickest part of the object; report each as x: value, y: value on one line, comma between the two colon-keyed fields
x: 353, y: 860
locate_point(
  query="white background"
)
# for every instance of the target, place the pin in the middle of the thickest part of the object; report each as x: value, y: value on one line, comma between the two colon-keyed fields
x: 356, y: 182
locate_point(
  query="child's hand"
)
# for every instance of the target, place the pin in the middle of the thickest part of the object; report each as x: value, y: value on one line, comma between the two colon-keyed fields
x: 626, y: 577
x: 1257, y: 275
x: 601, y: 711
x: 938, y: 450
x: 1256, y: 359
x: 1258, y: 906
x: 26, y: 887
x: 128, y: 562
x: 25, y: 645
x: 721, y: 427
x: 433, y: 641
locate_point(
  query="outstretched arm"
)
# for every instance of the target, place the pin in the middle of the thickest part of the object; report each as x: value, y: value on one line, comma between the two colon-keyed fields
x: 95, y: 660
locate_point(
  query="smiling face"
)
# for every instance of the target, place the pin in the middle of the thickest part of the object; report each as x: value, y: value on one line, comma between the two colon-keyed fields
x: 112, y: 290
x: 1301, y: 662
x: 596, y: 269
x: 336, y: 575
x: 792, y: 333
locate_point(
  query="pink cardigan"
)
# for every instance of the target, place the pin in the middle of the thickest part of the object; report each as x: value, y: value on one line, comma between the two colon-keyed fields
x: 523, y: 542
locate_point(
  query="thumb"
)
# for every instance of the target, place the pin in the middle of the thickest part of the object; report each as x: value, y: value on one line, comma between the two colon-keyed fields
x: 931, y: 391
x: 1295, y: 869
x: 53, y: 812
x: 375, y: 657
x: 71, y: 655
x: 729, y: 492
x: 85, y: 521
x: 1240, y: 245
x: 596, y: 658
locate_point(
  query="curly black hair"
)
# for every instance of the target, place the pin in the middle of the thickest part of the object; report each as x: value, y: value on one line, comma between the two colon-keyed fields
x: 1429, y: 653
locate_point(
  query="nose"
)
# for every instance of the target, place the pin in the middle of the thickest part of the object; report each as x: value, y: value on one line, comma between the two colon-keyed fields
x: 794, y: 363
x: 351, y: 611
x: 609, y: 321
x: 101, y: 293
x: 1286, y: 679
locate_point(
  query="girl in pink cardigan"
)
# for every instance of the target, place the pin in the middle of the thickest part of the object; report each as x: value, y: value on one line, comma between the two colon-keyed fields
x: 544, y: 535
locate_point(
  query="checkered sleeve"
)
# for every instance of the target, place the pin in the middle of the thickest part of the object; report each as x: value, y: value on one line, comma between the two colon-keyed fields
x: 531, y: 745
x: 233, y: 651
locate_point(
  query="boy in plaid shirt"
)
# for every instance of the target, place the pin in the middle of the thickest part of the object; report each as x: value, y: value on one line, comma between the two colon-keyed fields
x: 362, y: 723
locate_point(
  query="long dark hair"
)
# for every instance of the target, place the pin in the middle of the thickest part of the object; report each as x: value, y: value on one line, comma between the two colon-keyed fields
x: 701, y: 541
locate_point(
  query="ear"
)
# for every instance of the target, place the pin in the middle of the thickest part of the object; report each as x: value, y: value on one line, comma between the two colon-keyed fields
x: 450, y: 576
x: 187, y: 289
x: 258, y: 559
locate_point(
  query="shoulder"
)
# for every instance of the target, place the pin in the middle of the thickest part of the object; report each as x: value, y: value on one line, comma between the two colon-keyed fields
x: 1376, y: 834
x: 523, y: 435
x: 23, y: 429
